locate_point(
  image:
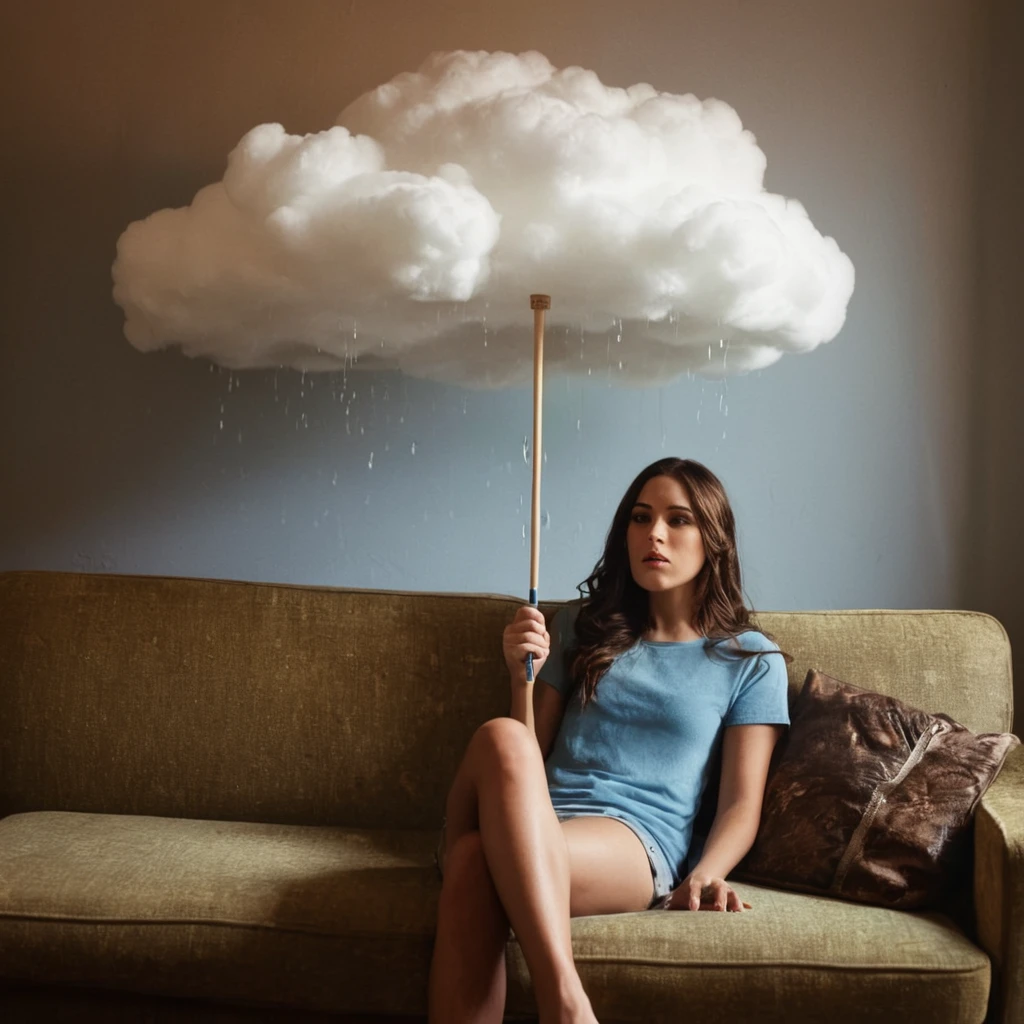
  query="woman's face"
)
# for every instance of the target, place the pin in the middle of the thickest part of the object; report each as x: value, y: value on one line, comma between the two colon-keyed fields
x: 662, y: 520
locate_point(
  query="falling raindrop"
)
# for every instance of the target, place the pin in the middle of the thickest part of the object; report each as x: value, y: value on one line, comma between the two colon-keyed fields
x: 546, y: 520
x: 413, y: 448
x: 577, y: 426
x: 451, y: 513
x: 661, y: 415
x: 239, y: 437
x: 221, y: 424
x: 524, y: 531
x: 526, y: 450
x: 370, y: 464
x: 545, y: 458
x: 334, y: 479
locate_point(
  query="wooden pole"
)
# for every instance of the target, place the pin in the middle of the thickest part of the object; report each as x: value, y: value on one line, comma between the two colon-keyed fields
x: 538, y: 303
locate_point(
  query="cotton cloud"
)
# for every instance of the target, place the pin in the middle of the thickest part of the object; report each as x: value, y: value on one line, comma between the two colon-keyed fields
x: 411, y: 234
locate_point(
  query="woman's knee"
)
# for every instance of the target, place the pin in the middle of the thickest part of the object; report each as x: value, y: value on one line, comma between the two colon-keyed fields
x: 505, y: 741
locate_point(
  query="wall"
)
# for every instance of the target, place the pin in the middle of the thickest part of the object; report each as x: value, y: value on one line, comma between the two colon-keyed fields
x: 996, y: 541
x: 851, y: 469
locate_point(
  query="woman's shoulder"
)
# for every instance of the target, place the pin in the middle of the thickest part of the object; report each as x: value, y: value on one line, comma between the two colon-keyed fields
x: 568, y: 611
x: 750, y: 640
x: 562, y: 624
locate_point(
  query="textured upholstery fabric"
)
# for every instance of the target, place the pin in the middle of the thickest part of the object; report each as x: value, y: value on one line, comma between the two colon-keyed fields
x: 30, y: 1004
x: 871, y: 799
x: 325, y: 918
x: 999, y: 884
x: 311, y: 705
x: 253, y: 776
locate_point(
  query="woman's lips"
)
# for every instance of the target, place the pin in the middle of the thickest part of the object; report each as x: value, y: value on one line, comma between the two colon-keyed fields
x: 654, y: 563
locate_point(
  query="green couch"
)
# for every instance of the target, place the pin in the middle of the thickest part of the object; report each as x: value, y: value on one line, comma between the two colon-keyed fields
x: 219, y: 802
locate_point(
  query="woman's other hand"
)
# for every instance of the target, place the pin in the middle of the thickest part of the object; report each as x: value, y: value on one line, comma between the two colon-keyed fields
x: 704, y: 892
x: 526, y: 634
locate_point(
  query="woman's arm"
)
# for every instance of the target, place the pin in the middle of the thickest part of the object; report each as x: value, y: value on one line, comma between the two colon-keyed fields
x: 746, y: 754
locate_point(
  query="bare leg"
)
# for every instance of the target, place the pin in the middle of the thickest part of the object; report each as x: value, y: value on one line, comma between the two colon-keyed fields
x: 501, y: 791
x: 467, y: 973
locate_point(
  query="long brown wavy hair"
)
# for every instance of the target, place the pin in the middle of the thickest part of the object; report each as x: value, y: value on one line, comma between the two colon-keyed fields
x: 616, y: 612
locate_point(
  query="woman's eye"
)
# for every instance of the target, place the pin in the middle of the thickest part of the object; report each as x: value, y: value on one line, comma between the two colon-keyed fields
x: 639, y: 517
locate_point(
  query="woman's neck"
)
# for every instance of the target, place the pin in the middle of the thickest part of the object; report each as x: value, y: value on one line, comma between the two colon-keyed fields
x: 671, y: 613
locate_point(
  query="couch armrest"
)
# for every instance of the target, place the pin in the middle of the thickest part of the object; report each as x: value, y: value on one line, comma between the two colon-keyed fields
x: 999, y: 886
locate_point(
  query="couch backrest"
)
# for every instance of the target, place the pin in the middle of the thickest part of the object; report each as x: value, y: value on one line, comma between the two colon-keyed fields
x: 315, y: 705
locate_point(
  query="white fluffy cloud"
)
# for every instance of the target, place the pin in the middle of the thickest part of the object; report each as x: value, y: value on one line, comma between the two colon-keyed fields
x: 412, y: 233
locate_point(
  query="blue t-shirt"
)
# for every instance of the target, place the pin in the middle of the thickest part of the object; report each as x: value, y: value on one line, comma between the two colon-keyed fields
x: 640, y: 751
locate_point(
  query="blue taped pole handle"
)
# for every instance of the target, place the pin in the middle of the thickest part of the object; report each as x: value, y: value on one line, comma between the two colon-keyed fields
x: 529, y: 657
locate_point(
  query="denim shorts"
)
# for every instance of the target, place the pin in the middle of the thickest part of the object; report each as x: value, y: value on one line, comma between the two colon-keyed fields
x: 662, y: 875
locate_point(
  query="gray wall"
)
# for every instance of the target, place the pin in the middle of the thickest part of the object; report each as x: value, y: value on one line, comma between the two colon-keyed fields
x: 996, y: 538
x: 863, y: 474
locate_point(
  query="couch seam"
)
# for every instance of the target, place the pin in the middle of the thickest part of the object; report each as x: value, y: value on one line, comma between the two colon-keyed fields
x: 224, y: 922
x: 505, y: 597
x: 221, y: 922
x: 776, y: 964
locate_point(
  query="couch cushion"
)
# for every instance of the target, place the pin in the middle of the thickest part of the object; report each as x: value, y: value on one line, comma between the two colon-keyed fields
x: 343, y: 920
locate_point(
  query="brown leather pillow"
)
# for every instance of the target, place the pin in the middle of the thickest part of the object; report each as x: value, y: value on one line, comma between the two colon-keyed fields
x: 871, y: 800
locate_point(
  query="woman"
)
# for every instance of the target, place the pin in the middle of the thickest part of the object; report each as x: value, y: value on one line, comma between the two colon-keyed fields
x: 583, y: 800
